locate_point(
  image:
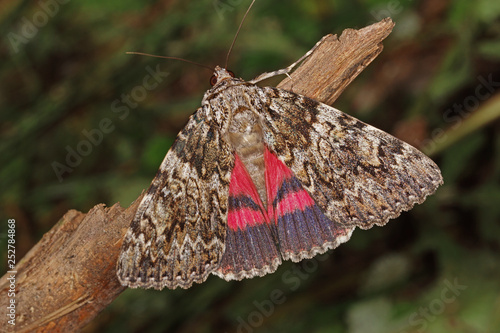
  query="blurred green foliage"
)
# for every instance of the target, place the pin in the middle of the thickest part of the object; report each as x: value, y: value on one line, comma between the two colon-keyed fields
x: 63, y: 75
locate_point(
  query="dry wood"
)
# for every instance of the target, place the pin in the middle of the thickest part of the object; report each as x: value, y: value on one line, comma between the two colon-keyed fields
x: 69, y: 276
x: 337, y: 61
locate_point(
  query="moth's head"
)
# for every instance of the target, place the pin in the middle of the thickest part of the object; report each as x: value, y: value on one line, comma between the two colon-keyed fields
x: 220, y: 74
x: 221, y: 80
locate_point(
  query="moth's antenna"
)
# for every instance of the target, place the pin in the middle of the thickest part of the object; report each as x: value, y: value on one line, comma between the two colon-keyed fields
x: 237, y: 32
x: 174, y: 58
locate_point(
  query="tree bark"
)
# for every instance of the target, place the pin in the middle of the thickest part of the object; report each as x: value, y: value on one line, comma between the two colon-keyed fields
x: 66, y: 279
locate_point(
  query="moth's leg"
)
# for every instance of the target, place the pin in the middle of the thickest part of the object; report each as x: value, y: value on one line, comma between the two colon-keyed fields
x: 287, y: 70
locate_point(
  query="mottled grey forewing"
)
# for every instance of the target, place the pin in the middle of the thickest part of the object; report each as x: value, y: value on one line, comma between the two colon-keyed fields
x: 177, y: 236
x: 357, y: 174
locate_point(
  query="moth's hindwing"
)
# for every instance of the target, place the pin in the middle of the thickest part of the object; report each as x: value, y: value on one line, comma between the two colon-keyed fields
x: 177, y: 236
x: 357, y: 174
x: 250, y: 244
x: 302, y: 229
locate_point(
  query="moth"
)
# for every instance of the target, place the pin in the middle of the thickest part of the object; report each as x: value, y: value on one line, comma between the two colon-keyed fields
x: 260, y: 175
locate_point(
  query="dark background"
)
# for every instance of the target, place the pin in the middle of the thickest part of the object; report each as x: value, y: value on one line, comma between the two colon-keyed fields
x: 434, y: 269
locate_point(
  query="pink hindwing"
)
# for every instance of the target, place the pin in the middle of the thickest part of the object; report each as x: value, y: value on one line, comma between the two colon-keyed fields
x: 245, y: 206
x: 303, y: 230
x: 293, y: 227
x: 250, y: 246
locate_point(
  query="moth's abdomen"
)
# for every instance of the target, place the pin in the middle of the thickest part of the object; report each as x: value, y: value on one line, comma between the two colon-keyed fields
x: 245, y: 135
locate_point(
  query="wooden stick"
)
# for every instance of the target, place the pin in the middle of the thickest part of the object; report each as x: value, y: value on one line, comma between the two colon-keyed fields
x: 338, y: 61
x: 69, y: 276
